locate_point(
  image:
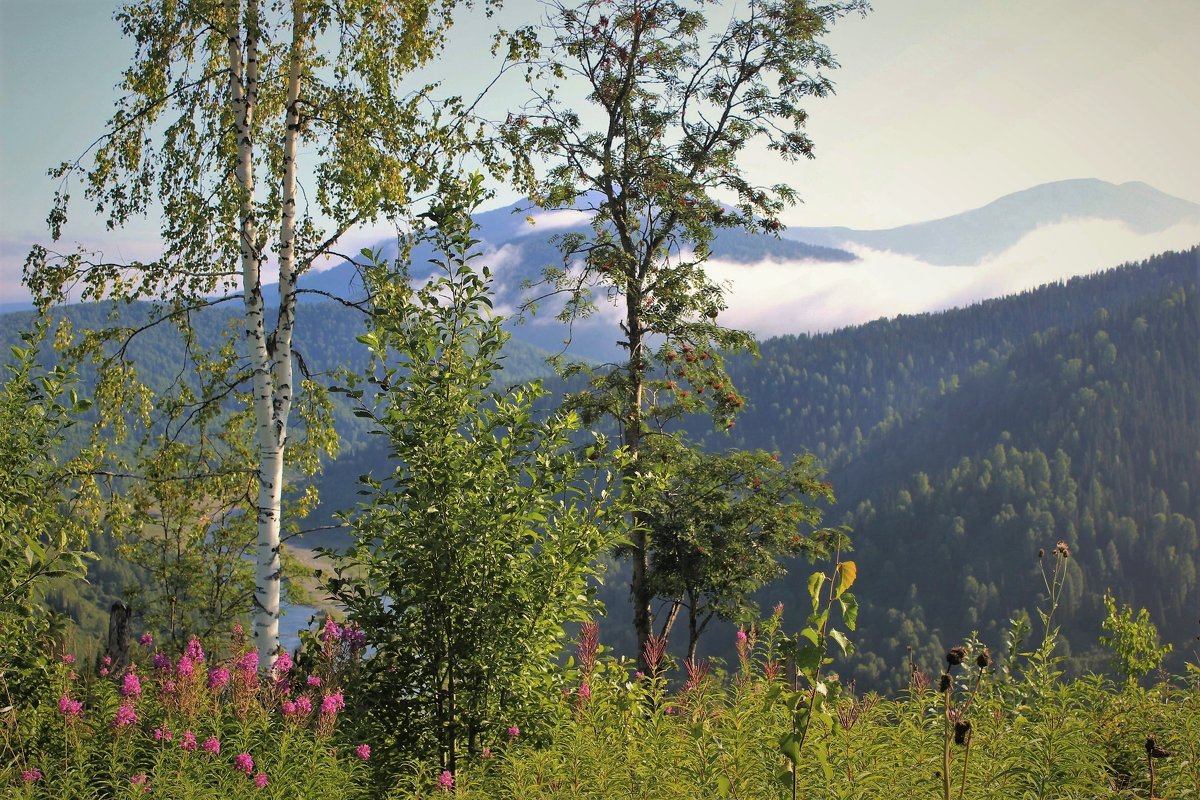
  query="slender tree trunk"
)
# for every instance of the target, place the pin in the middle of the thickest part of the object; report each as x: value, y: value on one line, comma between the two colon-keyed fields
x: 693, y: 629
x: 243, y: 91
x: 643, y: 619
x: 672, y: 615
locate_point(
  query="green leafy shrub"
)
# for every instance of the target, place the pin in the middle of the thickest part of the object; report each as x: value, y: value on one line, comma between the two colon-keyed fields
x: 473, y: 551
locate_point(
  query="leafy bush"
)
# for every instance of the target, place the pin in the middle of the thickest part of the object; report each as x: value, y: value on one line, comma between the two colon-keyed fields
x: 476, y: 547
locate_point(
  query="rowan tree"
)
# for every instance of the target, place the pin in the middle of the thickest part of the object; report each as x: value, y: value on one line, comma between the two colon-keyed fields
x: 676, y: 94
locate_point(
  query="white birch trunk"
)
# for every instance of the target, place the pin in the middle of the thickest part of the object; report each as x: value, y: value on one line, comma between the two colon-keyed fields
x: 243, y: 92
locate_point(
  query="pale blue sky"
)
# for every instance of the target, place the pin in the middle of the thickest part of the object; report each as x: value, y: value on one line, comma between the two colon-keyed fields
x: 942, y: 105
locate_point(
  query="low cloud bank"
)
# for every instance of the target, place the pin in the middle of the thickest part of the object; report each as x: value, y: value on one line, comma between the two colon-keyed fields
x: 773, y: 298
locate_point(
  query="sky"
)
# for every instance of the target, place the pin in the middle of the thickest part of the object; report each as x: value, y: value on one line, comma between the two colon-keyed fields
x: 941, y: 106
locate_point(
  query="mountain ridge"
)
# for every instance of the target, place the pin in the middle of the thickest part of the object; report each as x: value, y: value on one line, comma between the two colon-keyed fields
x: 970, y: 237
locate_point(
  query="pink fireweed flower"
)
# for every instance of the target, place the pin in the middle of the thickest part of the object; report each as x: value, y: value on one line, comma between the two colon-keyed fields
x: 248, y: 662
x: 131, y: 686
x: 167, y: 689
x: 212, y: 746
x: 741, y: 636
x: 68, y: 659
x: 260, y: 780
x: 186, y: 666
x: 106, y: 661
x: 139, y: 779
x: 303, y: 704
x: 514, y: 732
x: 446, y: 780
x: 487, y: 752
x: 282, y: 665
x: 331, y: 632
x: 333, y: 703
x: 188, y: 741
x: 161, y: 662
x: 125, y: 716
x: 104, y: 672
x: 585, y: 691
x: 244, y: 762
x: 31, y: 775
x: 218, y: 678
x: 146, y: 640
x: 356, y: 638
x: 313, y: 680
x: 162, y: 734
x: 363, y: 751
x: 193, y: 650
x: 69, y: 707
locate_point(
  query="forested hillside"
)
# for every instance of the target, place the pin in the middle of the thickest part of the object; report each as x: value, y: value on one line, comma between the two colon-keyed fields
x: 961, y: 443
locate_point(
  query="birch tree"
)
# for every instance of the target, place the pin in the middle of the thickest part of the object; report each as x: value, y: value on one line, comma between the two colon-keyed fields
x: 677, y: 92
x: 222, y: 100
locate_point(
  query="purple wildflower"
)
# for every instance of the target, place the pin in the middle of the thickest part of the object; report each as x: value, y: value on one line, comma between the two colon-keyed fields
x: 131, y: 686
x: 146, y: 640
x: 161, y: 662
x: 186, y: 666
x: 244, y: 762
x: 585, y: 691
x: 332, y: 632
x: 446, y: 780
x: 193, y: 650
x: 139, y: 779
x: 260, y: 780
x: 69, y: 707
x: 188, y: 741
x: 218, y: 677
x: 248, y: 663
x: 31, y: 775
x: 313, y: 680
x: 363, y: 751
x: 68, y: 659
x: 333, y: 703
x: 125, y: 717
x: 514, y: 732
x: 212, y: 746
x: 283, y: 663
x: 162, y: 734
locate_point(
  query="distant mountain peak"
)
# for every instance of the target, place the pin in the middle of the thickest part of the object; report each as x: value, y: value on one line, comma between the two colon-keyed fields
x: 970, y: 237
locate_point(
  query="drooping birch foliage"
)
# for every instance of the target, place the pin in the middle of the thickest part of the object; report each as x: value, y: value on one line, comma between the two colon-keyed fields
x: 230, y: 107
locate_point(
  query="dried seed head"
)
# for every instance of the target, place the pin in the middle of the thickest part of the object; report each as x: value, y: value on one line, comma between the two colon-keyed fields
x: 944, y: 686
x: 1062, y: 549
x: 956, y: 655
x: 1041, y: 552
x: 984, y: 658
x: 1153, y: 750
x: 962, y: 729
